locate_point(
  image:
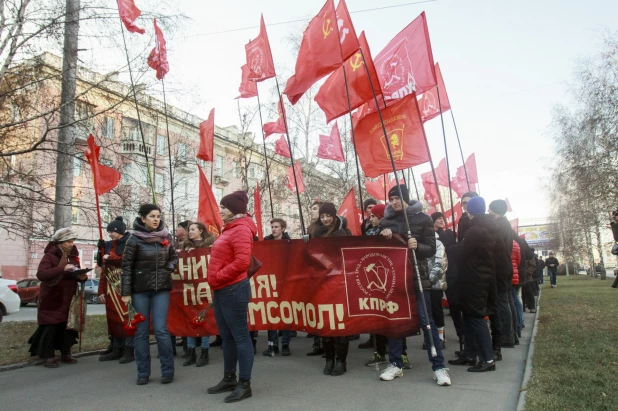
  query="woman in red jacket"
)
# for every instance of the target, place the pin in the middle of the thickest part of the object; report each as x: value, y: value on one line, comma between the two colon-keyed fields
x: 227, y: 276
x: 518, y: 313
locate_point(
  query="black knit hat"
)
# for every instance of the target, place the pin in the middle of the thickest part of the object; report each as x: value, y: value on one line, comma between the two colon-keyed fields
x: 368, y: 202
x: 394, y: 192
x: 436, y: 215
x: 117, y: 226
x: 328, y: 208
x: 499, y: 207
x: 470, y: 194
x: 236, y: 202
x: 184, y: 224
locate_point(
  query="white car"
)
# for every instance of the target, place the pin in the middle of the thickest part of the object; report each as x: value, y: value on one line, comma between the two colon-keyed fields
x: 9, y: 300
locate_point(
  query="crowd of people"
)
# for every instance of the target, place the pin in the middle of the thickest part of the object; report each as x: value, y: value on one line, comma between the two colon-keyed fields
x: 486, y: 272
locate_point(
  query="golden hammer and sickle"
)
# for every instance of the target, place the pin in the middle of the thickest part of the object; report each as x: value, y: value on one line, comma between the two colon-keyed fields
x: 326, y: 28
x: 357, y: 62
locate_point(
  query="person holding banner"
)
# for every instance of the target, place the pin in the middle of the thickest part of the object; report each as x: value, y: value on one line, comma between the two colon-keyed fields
x: 227, y: 276
x: 199, y: 237
x: 147, y: 264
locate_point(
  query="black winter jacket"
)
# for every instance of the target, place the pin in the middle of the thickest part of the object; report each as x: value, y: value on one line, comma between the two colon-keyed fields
x: 147, y: 266
x: 108, y: 247
x: 341, y: 229
x: 462, y: 227
x: 540, y: 266
x: 552, y: 264
x: 421, y: 227
x: 476, y: 283
x: 504, y: 248
x: 285, y: 236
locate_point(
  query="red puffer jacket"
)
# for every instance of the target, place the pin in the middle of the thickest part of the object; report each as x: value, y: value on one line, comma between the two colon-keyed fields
x: 231, y: 253
x: 516, y: 259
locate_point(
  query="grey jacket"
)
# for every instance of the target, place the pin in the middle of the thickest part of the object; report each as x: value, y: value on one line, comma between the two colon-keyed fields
x: 438, y: 265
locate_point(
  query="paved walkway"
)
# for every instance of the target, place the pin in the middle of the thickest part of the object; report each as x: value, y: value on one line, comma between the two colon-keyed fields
x: 29, y: 312
x: 287, y: 383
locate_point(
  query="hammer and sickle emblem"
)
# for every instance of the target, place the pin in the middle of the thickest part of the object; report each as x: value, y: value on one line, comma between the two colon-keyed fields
x: 357, y: 62
x: 326, y: 28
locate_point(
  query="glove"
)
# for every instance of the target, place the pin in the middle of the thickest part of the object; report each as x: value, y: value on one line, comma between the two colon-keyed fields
x: 101, y: 244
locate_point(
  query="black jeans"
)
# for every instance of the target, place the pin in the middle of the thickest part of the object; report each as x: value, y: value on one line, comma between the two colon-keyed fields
x: 478, y: 341
x: 437, y: 311
x: 527, y: 295
x: 336, y: 347
x: 455, y: 310
x: 506, y: 318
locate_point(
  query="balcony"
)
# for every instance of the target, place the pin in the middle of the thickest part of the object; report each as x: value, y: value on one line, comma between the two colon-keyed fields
x: 135, y: 147
x: 222, y: 179
x: 184, y: 166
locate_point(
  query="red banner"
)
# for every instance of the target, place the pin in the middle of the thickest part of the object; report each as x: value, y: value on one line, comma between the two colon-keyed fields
x: 460, y: 187
x: 207, y: 208
x: 431, y: 189
x: 291, y: 171
x: 330, y: 287
x: 330, y: 146
x: 349, y: 210
x: 128, y: 14
x: 207, y: 138
x: 515, y: 225
x: 157, y: 59
x: 448, y: 214
x: 104, y: 178
x: 277, y: 126
x: 347, y: 34
x: 257, y: 211
x: 470, y: 169
x: 259, y: 57
x: 429, y: 102
x: 282, y: 148
x: 248, y: 88
x: 115, y: 308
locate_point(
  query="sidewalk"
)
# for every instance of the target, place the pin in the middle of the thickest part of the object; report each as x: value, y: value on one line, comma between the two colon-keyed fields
x: 292, y: 383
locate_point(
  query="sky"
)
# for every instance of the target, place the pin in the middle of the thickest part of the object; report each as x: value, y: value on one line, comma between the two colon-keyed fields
x: 506, y: 64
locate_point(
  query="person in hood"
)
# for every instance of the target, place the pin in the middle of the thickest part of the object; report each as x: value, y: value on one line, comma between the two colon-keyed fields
x: 122, y: 348
x: 477, y: 286
x: 423, y: 242
x: 147, y: 264
x: 465, y: 220
x: 58, y: 286
x: 227, y: 276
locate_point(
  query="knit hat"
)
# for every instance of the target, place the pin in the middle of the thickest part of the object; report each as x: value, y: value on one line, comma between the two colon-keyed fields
x: 64, y: 234
x: 236, y: 202
x: 328, y: 208
x: 436, y: 215
x: 498, y: 207
x: 117, y: 226
x: 394, y: 192
x: 184, y: 224
x: 470, y: 194
x: 369, y: 202
x: 378, y: 210
x: 476, y: 206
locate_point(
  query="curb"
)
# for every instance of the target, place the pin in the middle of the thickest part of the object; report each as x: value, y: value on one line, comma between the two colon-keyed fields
x: 523, y: 391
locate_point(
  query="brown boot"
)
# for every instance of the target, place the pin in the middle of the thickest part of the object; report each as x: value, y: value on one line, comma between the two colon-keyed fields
x: 50, y: 362
x: 67, y: 359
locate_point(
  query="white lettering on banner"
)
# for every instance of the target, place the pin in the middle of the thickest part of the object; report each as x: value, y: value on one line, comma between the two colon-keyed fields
x: 289, y: 318
x: 203, y: 292
x: 331, y: 315
x: 286, y: 312
x: 362, y: 303
x: 296, y: 307
x: 257, y: 307
x: 266, y: 286
x: 190, y: 268
x: 378, y: 304
x: 200, y: 265
x: 188, y: 290
x: 310, y: 321
x: 272, y: 319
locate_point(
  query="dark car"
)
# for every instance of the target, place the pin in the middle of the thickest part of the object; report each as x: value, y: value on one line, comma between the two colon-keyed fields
x: 28, y: 291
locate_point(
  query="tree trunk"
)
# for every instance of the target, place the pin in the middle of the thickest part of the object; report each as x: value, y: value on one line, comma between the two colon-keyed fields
x: 66, y: 133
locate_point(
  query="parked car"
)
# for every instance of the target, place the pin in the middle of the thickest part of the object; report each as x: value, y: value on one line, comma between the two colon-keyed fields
x: 92, y: 291
x: 9, y: 300
x: 28, y: 291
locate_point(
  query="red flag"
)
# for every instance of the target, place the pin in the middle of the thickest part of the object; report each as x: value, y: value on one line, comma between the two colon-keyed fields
x: 460, y: 187
x: 431, y: 190
x: 104, y: 178
x: 257, y: 210
x: 405, y: 133
x: 429, y: 102
x: 508, y: 205
x: 320, y: 53
x: 299, y: 178
x: 349, y: 210
x: 406, y: 63
x: 128, y: 14
x: 347, y: 34
x: 470, y: 168
x: 330, y: 146
x: 458, y: 213
x: 515, y: 225
x: 207, y: 209
x: 279, y: 125
x: 282, y: 148
x: 441, y: 173
x: 376, y: 189
x: 207, y: 138
x: 332, y: 96
x: 259, y: 57
x: 248, y: 88
x: 157, y: 59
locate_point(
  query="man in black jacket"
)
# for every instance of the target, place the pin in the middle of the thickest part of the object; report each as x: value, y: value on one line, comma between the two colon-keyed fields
x: 464, y: 221
x: 552, y: 264
x: 367, y: 206
x: 423, y: 242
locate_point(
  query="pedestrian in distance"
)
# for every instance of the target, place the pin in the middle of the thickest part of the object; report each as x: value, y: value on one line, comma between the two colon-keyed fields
x: 552, y: 265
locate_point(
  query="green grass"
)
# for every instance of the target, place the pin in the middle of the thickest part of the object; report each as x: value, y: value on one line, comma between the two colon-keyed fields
x: 14, y: 338
x: 576, y: 351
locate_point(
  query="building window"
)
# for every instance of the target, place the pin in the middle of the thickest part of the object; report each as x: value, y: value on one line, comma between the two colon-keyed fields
x: 106, y: 162
x: 75, y: 215
x: 143, y: 176
x: 105, y: 214
x: 182, y: 151
x: 161, y: 145
x: 160, y: 183
x: 108, y: 127
x: 186, y: 196
x: 235, y: 169
x: 77, y: 165
x: 219, y: 165
x: 218, y: 194
x: 126, y: 173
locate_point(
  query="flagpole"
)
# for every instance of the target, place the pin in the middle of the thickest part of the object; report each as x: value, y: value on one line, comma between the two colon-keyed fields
x: 448, y: 167
x: 169, y: 157
x: 270, y: 189
x: 463, y: 160
x: 384, y: 185
x: 139, y: 120
x: 287, y: 134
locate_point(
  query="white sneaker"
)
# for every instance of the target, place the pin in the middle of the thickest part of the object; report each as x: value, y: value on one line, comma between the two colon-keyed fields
x: 441, y: 377
x: 391, y: 372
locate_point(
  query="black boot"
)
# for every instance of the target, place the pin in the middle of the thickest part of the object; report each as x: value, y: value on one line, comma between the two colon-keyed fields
x: 228, y: 383
x: 114, y: 355
x: 463, y: 361
x: 190, y: 357
x: 242, y: 391
x: 340, y: 368
x: 342, y: 346
x: 109, y: 348
x: 317, y: 347
x: 329, y: 353
x: 285, y: 350
x: 218, y: 342
x: 271, y: 351
x: 497, y: 356
x: 483, y: 367
x: 203, y: 360
x: 128, y: 356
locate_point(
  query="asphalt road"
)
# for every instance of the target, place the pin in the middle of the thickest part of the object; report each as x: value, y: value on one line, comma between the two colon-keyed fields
x: 28, y: 313
x: 292, y: 383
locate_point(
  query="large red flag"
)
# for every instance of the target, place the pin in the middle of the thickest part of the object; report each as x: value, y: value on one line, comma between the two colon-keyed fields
x: 449, y: 217
x: 470, y: 168
x: 299, y: 178
x: 319, y: 54
x: 259, y: 57
x: 282, y: 148
x: 508, y: 206
x: 376, y: 189
x: 405, y: 133
x: 128, y: 14
x: 347, y: 34
x: 431, y: 190
x: 207, y: 209
x: 157, y: 59
x: 441, y: 173
x: 279, y: 125
x: 332, y: 96
x: 104, y: 178
x: 349, y: 210
x: 248, y: 88
x: 460, y: 187
x: 429, y: 102
x: 257, y: 210
x: 515, y: 225
x: 207, y: 138
x: 406, y: 63
x: 330, y: 146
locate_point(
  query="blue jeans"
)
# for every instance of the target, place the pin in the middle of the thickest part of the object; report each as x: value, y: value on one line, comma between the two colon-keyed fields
x: 231, y: 304
x: 395, y: 345
x: 519, y: 306
x: 123, y: 343
x: 286, y: 336
x: 552, y: 277
x: 191, y: 342
x: 153, y: 304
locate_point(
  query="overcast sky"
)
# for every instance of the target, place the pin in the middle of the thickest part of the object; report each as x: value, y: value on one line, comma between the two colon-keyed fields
x: 505, y: 65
